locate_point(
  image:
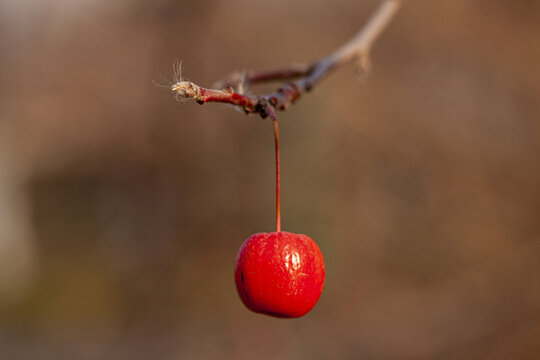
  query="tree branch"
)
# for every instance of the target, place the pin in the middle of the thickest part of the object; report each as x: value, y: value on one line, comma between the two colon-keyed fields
x: 307, y: 75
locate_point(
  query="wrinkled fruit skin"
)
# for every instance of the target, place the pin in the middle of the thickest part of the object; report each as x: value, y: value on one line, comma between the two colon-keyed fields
x: 280, y: 274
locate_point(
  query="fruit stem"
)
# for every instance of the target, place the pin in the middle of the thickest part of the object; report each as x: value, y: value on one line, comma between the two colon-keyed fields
x: 276, y: 140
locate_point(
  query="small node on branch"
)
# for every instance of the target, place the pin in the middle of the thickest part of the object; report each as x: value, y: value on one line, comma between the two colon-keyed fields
x: 363, y: 65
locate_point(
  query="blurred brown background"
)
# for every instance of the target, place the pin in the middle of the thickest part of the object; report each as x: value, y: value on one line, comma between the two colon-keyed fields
x: 121, y: 210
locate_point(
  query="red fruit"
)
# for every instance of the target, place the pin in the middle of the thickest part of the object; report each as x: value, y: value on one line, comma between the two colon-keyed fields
x: 280, y: 273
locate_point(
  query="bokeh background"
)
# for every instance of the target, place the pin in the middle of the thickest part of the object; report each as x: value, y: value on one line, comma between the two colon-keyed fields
x: 121, y: 210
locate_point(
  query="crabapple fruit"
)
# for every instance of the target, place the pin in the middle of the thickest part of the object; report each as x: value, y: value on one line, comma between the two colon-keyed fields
x: 280, y: 273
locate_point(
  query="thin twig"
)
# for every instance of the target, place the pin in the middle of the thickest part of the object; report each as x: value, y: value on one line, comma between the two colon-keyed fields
x: 293, y: 71
x: 307, y: 75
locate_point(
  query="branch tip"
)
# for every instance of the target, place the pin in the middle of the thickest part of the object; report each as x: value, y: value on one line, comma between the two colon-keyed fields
x: 187, y: 90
